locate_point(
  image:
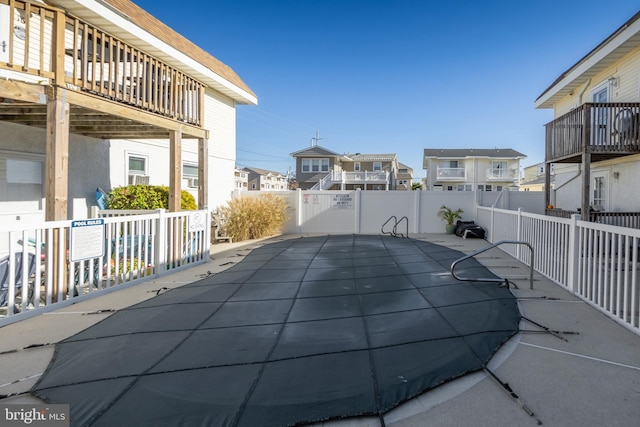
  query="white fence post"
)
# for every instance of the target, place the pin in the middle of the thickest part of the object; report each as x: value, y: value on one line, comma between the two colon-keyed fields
x: 573, y: 256
x: 299, y: 216
x: 519, y: 233
x: 416, y: 210
x: 161, y: 242
x: 357, y: 207
x: 493, y: 223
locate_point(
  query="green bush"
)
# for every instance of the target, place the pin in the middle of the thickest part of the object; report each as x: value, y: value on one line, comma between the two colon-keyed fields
x: 147, y: 197
x: 254, y: 217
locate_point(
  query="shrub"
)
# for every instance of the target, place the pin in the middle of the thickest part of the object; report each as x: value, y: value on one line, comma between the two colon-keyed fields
x: 254, y: 217
x: 146, y: 197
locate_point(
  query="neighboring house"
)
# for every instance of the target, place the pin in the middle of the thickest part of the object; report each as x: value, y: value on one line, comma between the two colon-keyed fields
x: 594, y: 139
x: 471, y: 169
x: 102, y: 94
x: 241, y: 180
x: 405, y: 177
x: 534, y: 177
x: 265, y: 180
x: 323, y: 169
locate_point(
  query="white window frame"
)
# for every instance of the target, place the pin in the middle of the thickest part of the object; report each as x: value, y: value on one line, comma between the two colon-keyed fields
x: 142, y: 157
x: 306, y: 165
x: 356, y: 166
x: 377, y: 166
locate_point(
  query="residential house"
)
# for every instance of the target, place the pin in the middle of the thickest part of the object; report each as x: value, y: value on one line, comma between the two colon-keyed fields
x: 594, y: 139
x: 323, y: 169
x: 265, y: 180
x: 534, y: 177
x: 241, y: 180
x: 471, y: 169
x: 405, y: 177
x: 102, y: 94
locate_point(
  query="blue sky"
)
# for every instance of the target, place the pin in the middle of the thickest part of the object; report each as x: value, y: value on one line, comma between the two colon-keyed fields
x: 393, y: 76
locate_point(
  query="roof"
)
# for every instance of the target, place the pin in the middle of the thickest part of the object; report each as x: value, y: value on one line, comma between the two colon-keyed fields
x: 371, y: 157
x: 127, y: 13
x: 262, y: 171
x: 501, y: 153
x: 618, y: 44
x: 315, y: 151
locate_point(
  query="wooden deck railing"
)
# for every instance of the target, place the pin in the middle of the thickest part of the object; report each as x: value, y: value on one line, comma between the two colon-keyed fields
x: 606, y: 128
x: 61, y: 49
x: 620, y: 219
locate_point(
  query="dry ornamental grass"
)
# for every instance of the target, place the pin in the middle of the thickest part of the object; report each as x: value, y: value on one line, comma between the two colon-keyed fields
x: 254, y: 217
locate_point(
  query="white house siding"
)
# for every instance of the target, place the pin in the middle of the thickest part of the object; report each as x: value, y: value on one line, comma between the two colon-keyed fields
x: 627, y: 71
x: 621, y: 177
x: 88, y: 167
x: 220, y: 120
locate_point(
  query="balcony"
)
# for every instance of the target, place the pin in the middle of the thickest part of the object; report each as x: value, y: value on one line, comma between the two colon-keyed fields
x: 604, y: 130
x: 452, y: 174
x: 115, y: 89
x: 501, y: 174
x: 343, y: 178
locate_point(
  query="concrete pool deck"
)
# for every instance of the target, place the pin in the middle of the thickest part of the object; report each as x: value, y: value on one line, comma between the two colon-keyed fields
x: 589, y: 378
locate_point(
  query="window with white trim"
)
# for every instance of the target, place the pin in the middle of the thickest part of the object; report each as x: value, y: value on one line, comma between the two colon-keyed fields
x: 356, y: 166
x: 377, y: 166
x: 137, y: 167
x: 315, y: 165
x: 190, y: 173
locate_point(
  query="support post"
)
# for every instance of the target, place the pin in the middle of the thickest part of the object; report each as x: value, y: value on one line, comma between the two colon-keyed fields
x: 175, y: 170
x: 203, y: 173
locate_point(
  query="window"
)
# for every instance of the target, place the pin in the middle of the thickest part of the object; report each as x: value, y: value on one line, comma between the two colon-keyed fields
x: 449, y: 164
x: 189, y: 170
x: 137, y: 169
x: 377, y: 166
x: 599, y: 192
x: 23, y: 182
x: 137, y: 165
x: 315, y: 165
x: 253, y: 186
x: 356, y: 166
x: 190, y: 173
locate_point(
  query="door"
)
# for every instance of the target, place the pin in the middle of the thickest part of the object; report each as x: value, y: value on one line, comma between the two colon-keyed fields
x: 599, y: 118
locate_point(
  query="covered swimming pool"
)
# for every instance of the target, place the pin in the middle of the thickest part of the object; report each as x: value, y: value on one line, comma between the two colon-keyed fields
x: 299, y: 331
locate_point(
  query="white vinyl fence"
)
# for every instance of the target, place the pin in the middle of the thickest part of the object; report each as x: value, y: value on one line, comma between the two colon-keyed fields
x: 364, y: 212
x: 597, y: 262
x: 50, y: 264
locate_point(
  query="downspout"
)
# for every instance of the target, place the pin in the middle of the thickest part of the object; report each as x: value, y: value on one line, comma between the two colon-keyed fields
x: 584, y: 89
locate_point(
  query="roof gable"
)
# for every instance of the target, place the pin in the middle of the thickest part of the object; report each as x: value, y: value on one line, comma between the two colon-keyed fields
x: 473, y: 152
x: 618, y: 44
x: 315, y: 151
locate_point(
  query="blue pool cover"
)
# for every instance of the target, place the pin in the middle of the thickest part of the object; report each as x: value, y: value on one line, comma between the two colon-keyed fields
x: 301, y: 330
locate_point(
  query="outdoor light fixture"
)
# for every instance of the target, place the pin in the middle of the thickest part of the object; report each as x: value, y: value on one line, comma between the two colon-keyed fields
x: 613, y: 81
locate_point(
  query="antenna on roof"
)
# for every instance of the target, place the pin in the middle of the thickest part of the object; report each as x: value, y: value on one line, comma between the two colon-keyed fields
x: 314, y: 141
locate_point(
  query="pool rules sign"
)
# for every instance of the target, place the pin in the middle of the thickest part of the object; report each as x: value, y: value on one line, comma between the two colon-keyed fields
x: 86, y: 239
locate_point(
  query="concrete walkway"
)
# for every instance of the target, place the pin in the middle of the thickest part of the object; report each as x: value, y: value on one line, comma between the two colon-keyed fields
x: 589, y: 377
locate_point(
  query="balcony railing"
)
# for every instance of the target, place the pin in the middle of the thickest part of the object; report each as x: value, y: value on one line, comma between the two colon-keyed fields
x: 606, y: 129
x: 343, y: 177
x: 54, y: 47
x: 501, y: 174
x: 620, y: 219
x: 451, y: 174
